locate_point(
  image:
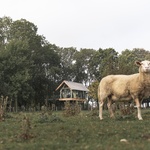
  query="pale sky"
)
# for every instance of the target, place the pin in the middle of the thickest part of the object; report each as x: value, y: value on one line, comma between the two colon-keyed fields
x: 118, y: 24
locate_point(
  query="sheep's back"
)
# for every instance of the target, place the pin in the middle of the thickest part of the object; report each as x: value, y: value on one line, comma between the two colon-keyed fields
x: 118, y: 80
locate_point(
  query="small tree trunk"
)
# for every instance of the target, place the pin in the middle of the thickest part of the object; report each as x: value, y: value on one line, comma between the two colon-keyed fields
x: 16, y: 104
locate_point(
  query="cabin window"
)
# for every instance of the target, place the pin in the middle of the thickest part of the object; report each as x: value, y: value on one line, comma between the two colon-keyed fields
x: 65, y: 93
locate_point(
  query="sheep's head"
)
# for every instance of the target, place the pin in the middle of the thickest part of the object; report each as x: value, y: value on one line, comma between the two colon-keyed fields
x: 144, y: 66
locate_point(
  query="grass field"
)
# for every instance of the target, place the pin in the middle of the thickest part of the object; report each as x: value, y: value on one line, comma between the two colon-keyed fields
x: 55, y: 132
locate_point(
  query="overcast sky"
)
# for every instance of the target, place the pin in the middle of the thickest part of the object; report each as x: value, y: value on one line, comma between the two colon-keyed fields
x: 118, y: 24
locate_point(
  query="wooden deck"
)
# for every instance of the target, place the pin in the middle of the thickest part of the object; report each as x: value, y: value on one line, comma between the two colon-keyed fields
x: 72, y: 99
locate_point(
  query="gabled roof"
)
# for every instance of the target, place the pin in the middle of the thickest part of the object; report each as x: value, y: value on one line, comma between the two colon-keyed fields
x: 73, y: 86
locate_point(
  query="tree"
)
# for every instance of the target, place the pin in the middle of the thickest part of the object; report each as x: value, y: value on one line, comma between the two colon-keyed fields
x: 30, y: 65
x: 140, y: 54
x: 5, y: 24
x: 45, y: 72
x: 82, y: 66
x: 67, y: 61
x: 45, y: 61
x: 126, y: 61
x: 15, y: 73
x: 93, y: 88
x: 104, y: 62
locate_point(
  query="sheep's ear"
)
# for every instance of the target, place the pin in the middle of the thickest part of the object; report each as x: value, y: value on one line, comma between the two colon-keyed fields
x: 138, y: 63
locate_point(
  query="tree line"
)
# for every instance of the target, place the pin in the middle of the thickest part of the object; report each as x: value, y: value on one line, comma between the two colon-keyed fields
x: 31, y: 67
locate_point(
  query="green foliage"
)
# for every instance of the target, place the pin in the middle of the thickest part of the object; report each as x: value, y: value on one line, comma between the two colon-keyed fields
x: 109, y: 62
x: 93, y: 88
x: 82, y: 65
x: 43, y: 117
x: 127, y: 60
x: 67, y: 61
x: 29, y: 64
x: 48, y: 117
x: 104, y: 62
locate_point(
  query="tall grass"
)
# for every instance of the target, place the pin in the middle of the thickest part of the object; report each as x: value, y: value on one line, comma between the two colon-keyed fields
x: 84, y: 131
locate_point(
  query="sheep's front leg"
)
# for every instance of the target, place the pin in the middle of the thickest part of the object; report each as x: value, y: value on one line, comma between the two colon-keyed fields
x: 101, y: 103
x: 138, y: 105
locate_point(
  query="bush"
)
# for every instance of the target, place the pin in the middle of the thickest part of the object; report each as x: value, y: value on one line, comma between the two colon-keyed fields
x: 71, y: 109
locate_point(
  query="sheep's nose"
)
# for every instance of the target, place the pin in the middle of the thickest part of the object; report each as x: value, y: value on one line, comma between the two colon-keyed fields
x: 147, y: 69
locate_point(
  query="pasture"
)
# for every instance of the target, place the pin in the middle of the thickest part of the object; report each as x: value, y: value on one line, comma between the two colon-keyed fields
x: 51, y: 130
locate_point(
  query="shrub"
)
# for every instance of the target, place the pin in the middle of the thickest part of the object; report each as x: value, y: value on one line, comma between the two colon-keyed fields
x: 26, y: 129
x: 71, y: 108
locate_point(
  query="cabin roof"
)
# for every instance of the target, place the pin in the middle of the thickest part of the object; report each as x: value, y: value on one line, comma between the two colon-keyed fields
x: 73, y: 86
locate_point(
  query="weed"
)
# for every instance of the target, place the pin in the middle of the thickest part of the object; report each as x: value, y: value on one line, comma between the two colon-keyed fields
x: 71, y: 109
x: 55, y: 118
x: 93, y: 113
x: 126, y: 110
x: 26, y: 129
x: 43, y: 117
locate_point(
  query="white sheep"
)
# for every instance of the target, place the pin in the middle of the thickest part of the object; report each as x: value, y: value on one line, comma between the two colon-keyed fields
x: 125, y: 88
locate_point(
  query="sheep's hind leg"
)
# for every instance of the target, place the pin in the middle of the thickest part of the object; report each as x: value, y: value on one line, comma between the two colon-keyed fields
x: 101, y: 103
x: 109, y: 105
